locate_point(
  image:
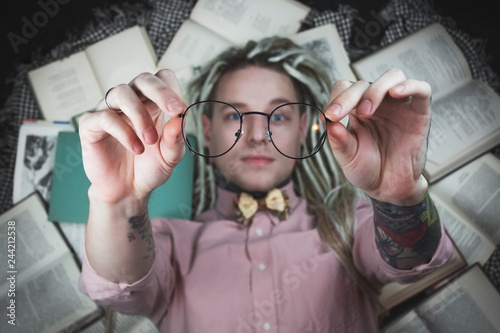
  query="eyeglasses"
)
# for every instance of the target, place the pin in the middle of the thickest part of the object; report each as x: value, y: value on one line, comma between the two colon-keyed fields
x: 287, y: 122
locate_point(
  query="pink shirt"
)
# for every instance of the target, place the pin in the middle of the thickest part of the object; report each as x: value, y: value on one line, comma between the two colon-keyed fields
x: 215, y: 275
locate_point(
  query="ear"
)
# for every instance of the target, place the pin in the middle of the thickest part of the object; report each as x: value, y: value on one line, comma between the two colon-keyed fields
x: 206, y: 124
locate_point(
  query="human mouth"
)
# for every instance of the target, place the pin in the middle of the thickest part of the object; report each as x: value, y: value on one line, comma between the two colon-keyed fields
x: 258, y: 159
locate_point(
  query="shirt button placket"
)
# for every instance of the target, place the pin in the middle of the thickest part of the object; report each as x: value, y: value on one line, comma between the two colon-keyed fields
x: 262, y: 279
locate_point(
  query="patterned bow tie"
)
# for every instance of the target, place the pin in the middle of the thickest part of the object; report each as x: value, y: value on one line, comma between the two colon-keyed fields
x: 276, y: 201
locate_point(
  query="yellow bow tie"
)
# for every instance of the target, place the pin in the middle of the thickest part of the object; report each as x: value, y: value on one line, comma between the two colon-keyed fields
x: 276, y: 201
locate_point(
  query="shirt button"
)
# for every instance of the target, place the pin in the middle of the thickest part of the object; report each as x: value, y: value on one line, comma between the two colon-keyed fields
x: 266, y: 326
x: 262, y: 266
x: 258, y: 232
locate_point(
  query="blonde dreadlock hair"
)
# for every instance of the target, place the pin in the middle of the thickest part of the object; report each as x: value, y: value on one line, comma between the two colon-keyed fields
x: 319, y: 179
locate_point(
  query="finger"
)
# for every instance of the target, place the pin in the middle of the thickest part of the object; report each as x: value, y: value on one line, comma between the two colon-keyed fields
x: 345, y: 100
x: 331, y: 111
x: 172, y: 144
x: 125, y: 98
x: 162, y: 89
x: 338, y: 87
x: 378, y: 91
x: 342, y: 142
x: 170, y: 79
x: 419, y: 91
x: 96, y: 126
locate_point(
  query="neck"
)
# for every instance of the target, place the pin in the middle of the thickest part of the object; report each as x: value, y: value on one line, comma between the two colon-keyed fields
x: 227, y: 185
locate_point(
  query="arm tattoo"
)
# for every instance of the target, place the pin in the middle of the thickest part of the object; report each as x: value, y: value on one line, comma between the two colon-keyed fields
x: 406, y: 236
x: 142, y: 228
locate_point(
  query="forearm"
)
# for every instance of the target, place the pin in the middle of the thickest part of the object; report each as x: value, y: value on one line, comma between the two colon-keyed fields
x: 406, y: 236
x: 119, y: 241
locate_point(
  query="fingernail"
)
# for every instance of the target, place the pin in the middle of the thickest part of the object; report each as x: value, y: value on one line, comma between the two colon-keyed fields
x: 174, y: 105
x: 399, y: 88
x: 138, y: 147
x: 335, y: 110
x: 365, y: 107
x: 150, y: 135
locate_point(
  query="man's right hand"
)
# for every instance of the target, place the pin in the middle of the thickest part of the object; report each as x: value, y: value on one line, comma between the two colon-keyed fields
x: 129, y: 151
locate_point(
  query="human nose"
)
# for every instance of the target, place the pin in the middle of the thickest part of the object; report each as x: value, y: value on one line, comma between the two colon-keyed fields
x: 254, y: 129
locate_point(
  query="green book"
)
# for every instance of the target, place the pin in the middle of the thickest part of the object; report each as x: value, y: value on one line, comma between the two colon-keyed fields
x: 69, y: 200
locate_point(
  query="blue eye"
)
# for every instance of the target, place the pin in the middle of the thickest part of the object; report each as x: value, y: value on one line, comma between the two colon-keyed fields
x: 277, y: 117
x: 234, y: 116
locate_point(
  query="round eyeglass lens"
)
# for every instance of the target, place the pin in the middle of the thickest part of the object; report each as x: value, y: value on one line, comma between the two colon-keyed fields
x: 220, y: 122
x: 297, y: 130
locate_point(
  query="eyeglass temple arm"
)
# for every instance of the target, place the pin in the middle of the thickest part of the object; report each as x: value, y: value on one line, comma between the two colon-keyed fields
x: 320, y: 143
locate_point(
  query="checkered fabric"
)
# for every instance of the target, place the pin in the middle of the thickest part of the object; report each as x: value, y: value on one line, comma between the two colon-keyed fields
x: 163, y: 18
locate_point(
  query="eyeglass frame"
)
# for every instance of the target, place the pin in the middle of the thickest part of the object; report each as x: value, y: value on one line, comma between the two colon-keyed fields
x: 239, y: 133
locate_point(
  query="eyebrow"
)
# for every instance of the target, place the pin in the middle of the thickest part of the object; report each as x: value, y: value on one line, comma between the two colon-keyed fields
x: 274, y: 103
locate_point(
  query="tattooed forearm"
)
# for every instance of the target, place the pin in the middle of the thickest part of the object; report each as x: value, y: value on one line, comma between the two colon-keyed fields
x: 406, y: 236
x: 141, y: 229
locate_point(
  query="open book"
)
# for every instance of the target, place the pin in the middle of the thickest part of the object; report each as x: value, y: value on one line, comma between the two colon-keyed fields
x: 215, y: 25
x: 468, y: 203
x: 124, y: 324
x: 468, y: 303
x: 465, y: 112
x: 325, y: 44
x: 36, y: 151
x: 40, y: 292
x: 75, y: 84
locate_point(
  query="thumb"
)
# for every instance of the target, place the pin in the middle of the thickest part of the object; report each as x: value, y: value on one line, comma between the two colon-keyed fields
x: 343, y: 143
x: 172, y: 144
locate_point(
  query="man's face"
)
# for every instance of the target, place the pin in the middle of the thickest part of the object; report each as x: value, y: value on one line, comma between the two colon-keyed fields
x: 253, y: 164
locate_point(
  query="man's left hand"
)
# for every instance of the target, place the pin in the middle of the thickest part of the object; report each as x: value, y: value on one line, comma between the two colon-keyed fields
x: 383, y: 149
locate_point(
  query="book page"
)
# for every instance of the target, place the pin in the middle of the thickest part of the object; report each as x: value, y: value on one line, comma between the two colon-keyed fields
x: 474, y: 190
x: 193, y: 45
x: 184, y: 77
x: 468, y: 304
x: 325, y: 44
x: 36, y: 149
x: 49, y: 300
x: 241, y: 21
x: 430, y: 54
x: 472, y: 243
x: 144, y: 325
x: 66, y: 87
x: 124, y: 324
x: 121, y: 57
x: 465, y: 124
x: 37, y: 242
x: 75, y: 234
x: 42, y: 275
x: 410, y: 322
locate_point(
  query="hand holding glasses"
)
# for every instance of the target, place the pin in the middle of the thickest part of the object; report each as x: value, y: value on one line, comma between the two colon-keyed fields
x: 284, y: 119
